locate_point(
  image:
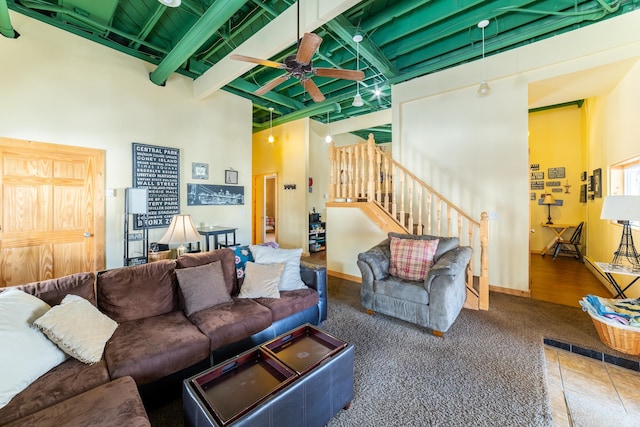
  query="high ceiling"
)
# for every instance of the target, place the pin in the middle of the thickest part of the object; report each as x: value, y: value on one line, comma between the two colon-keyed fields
x: 402, y: 39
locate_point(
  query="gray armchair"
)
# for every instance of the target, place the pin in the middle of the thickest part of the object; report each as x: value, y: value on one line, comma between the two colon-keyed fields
x: 434, y: 302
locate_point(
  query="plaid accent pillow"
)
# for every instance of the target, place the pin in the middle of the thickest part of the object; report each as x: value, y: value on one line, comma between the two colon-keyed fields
x: 411, y: 259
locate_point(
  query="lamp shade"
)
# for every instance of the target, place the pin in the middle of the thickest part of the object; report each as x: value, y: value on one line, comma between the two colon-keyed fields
x: 181, y: 230
x: 621, y: 208
x: 171, y: 3
x: 357, y: 101
x: 548, y: 200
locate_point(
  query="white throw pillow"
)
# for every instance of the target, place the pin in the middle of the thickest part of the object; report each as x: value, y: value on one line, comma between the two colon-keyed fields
x: 78, y: 328
x: 261, y: 280
x: 290, y: 280
x: 26, y: 352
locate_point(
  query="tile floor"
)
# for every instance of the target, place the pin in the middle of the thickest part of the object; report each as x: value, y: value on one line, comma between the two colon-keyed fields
x: 601, y: 386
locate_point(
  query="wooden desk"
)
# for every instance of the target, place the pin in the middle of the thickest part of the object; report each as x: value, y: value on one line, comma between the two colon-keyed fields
x: 610, y: 269
x: 558, y: 231
x: 215, y: 232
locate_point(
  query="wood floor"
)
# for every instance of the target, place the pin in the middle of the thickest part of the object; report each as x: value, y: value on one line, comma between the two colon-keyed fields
x: 564, y: 280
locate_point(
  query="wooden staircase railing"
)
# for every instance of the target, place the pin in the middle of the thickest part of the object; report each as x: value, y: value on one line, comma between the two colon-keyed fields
x: 395, y: 198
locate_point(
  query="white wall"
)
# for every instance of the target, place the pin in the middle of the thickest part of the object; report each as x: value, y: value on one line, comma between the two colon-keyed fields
x: 474, y: 150
x: 63, y: 89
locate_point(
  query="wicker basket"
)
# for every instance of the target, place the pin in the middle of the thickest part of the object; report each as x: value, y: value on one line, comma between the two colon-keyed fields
x: 625, y: 339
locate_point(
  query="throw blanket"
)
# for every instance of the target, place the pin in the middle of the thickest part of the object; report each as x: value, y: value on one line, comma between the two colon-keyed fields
x: 623, y: 311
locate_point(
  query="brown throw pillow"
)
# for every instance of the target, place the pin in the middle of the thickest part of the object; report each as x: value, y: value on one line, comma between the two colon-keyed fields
x: 202, y: 287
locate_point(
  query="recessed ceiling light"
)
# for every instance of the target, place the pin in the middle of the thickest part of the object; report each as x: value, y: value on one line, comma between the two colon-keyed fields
x: 171, y: 3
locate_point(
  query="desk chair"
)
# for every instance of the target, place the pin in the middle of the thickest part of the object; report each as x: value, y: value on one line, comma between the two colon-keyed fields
x: 571, y: 245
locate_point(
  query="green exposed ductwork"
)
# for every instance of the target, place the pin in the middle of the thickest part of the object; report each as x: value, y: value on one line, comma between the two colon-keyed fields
x: 6, y: 29
x: 214, y: 18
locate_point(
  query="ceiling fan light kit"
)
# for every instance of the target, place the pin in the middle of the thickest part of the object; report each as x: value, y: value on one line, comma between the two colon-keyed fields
x: 171, y: 3
x: 484, y: 88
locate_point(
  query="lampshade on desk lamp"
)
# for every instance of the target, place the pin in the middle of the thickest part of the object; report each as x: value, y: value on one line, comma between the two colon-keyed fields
x: 181, y: 231
x: 623, y: 209
x: 549, y: 200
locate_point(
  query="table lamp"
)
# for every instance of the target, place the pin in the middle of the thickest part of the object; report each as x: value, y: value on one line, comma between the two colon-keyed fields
x: 623, y: 209
x: 181, y: 230
x: 548, y: 200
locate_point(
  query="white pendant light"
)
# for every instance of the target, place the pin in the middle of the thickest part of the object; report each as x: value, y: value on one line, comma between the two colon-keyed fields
x: 171, y: 3
x: 484, y: 88
x: 270, y: 139
x: 357, y: 100
x: 328, y: 138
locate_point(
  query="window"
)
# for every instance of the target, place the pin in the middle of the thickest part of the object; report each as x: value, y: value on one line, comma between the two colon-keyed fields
x: 625, y: 180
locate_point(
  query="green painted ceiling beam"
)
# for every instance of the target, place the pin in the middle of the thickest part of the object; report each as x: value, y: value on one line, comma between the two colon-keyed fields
x: 148, y: 26
x: 343, y: 28
x: 247, y: 87
x: 330, y: 105
x: 214, y: 18
x: 6, y: 29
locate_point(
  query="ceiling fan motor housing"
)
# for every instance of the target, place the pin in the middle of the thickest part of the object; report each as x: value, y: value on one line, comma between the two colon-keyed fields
x: 296, y: 69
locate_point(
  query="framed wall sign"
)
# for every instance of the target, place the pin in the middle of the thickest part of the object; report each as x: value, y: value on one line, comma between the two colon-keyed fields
x: 199, y: 171
x: 597, y: 182
x: 157, y: 168
x: 230, y: 176
x: 205, y: 194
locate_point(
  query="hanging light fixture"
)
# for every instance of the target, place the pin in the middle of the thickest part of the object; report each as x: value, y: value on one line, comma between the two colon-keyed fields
x: 270, y: 139
x: 484, y: 88
x: 328, y: 138
x: 357, y: 100
x: 171, y: 3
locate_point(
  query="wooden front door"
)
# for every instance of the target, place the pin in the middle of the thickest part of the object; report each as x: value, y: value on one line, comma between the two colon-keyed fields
x: 52, y: 204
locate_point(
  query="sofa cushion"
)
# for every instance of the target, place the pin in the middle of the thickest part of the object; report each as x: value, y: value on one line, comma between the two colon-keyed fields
x: 290, y: 279
x: 116, y: 404
x: 261, y: 281
x: 130, y: 293
x: 445, y: 244
x: 26, y: 352
x: 202, y: 286
x: 403, y: 290
x: 66, y: 380
x: 228, y: 323
x: 227, y: 262
x: 52, y: 291
x: 290, y: 302
x: 78, y: 328
x: 411, y: 258
x: 154, y: 347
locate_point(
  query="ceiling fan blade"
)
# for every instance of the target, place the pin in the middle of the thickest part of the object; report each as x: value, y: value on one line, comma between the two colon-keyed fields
x: 313, y: 90
x: 308, y: 47
x: 272, y: 84
x: 265, y: 62
x: 339, y: 73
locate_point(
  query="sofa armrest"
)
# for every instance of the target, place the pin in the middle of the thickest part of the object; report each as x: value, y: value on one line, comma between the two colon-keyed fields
x: 315, y: 277
x: 452, y: 263
x: 377, y: 260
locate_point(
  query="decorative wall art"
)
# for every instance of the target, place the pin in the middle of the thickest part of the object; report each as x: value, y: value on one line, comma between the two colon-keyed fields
x: 597, y: 182
x: 583, y: 176
x: 534, y: 166
x: 554, y: 183
x: 157, y: 168
x: 537, y: 175
x: 556, y: 190
x: 533, y: 196
x: 583, y: 193
x: 554, y: 173
x: 205, y: 194
x: 230, y: 176
x: 537, y: 185
x: 199, y: 171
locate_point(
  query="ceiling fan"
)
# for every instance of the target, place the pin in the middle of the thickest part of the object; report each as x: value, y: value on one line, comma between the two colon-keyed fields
x: 300, y: 66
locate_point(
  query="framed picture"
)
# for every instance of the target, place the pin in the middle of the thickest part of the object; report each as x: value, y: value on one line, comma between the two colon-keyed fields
x: 533, y: 196
x: 597, y: 182
x: 230, y: 177
x: 583, y: 176
x: 199, y: 171
x: 583, y: 193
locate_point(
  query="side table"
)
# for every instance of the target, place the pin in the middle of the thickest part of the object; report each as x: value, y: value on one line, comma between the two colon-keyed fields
x: 610, y: 269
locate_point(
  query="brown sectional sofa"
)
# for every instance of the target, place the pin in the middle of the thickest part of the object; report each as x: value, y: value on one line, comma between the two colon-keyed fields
x: 154, y: 338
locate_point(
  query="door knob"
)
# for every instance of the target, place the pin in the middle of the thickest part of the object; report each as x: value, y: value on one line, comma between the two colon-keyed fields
x: 86, y: 234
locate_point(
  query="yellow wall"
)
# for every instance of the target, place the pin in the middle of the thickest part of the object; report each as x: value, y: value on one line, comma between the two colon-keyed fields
x: 556, y: 139
x: 287, y: 157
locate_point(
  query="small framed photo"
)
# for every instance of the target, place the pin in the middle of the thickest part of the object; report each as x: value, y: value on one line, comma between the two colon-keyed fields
x: 230, y: 177
x: 199, y: 171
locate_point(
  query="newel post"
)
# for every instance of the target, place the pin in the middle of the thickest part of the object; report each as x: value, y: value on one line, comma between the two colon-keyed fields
x: 332, y: 171
x: 484, y: 261
x: 370, y: 180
